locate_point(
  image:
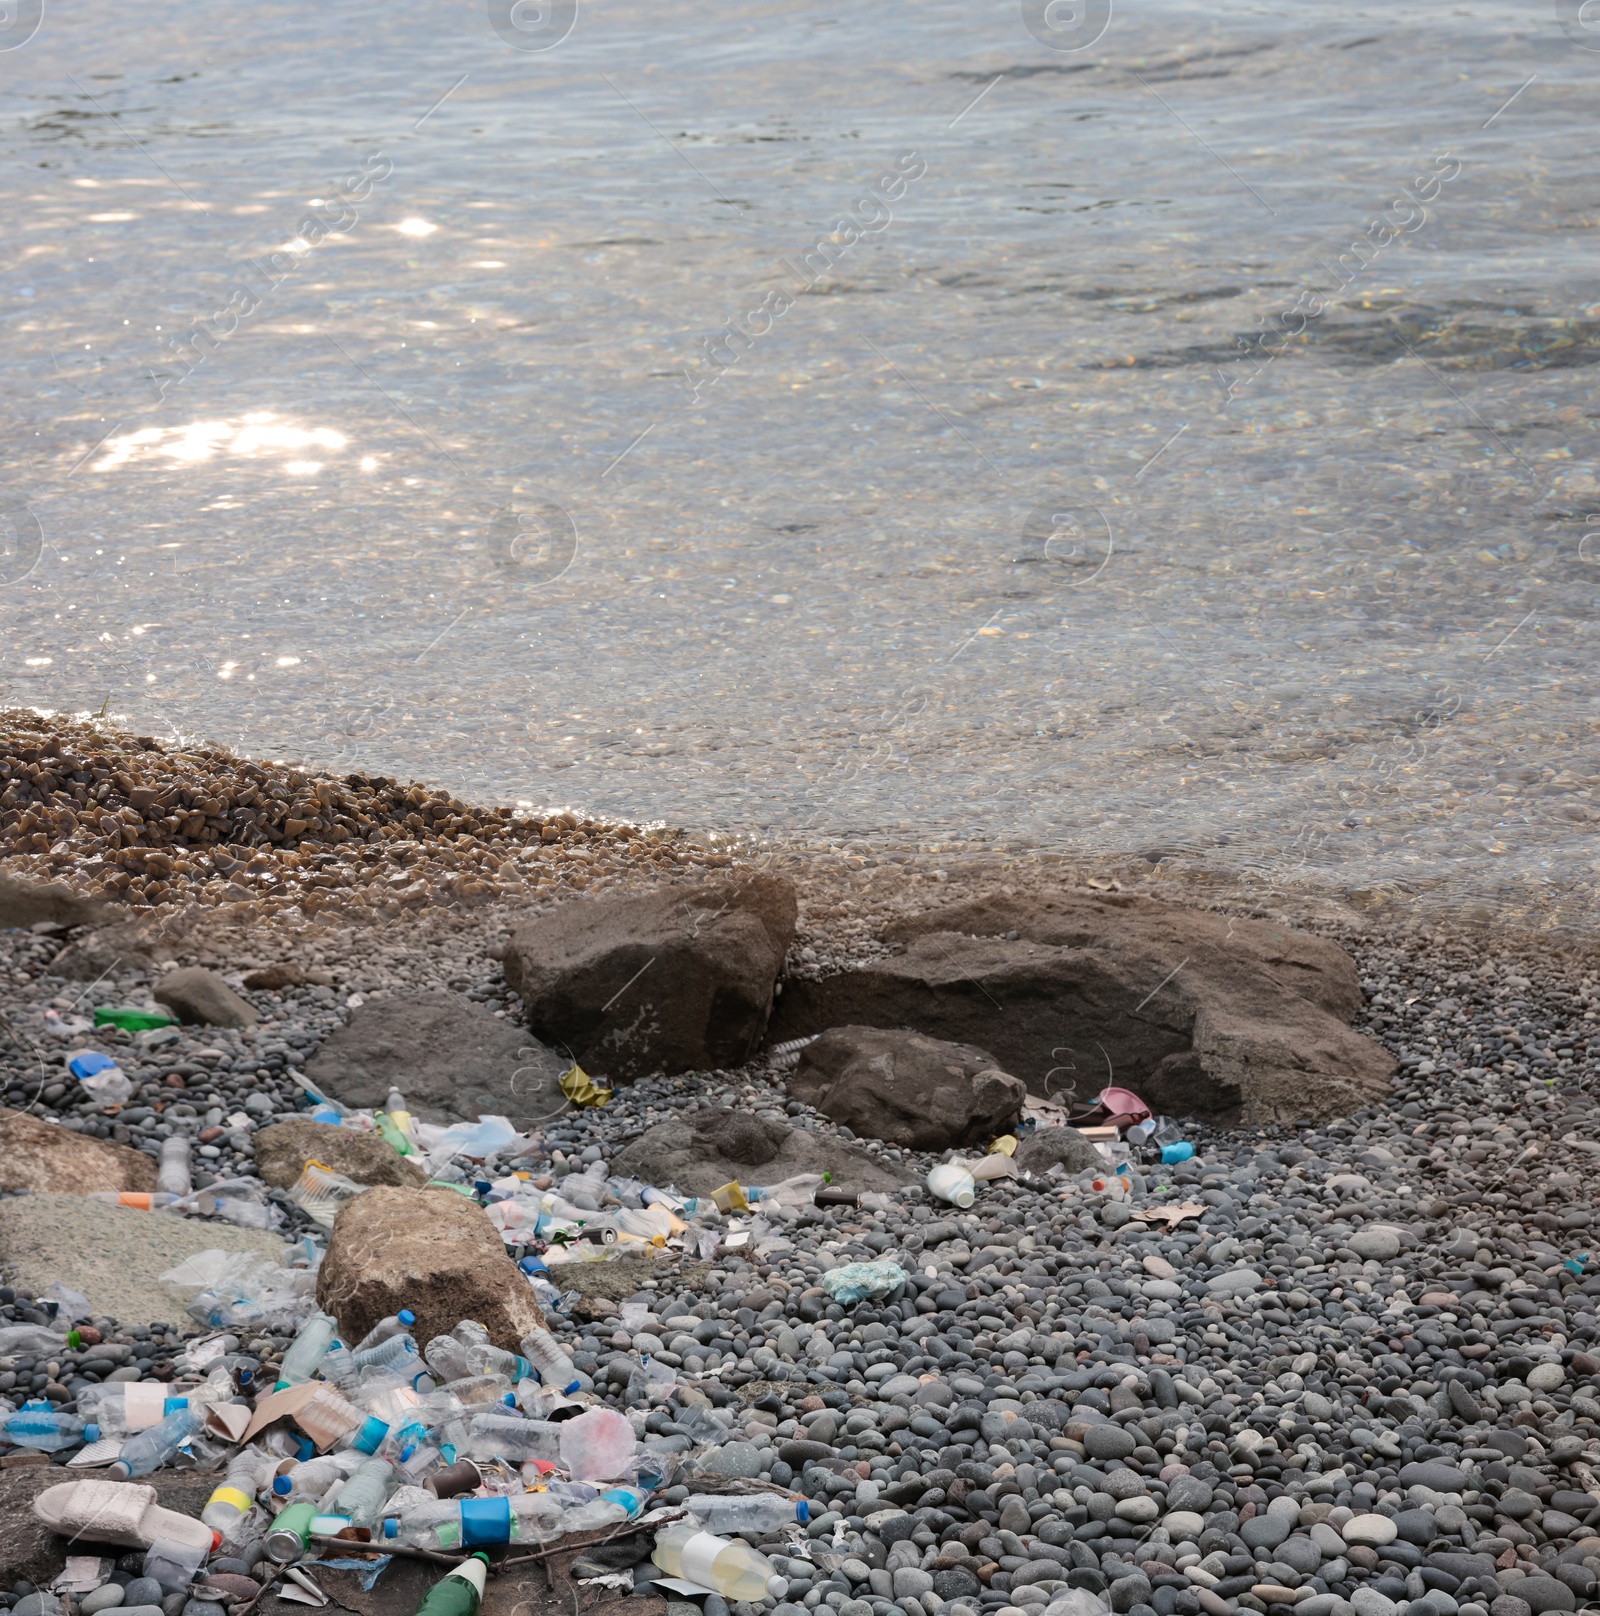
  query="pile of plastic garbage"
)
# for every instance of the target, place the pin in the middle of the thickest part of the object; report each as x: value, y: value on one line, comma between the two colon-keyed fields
x: 1130, y: 1139
x: 444, y: 1447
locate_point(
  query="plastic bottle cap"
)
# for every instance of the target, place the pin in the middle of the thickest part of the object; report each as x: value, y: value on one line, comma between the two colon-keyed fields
x: 391, y: 1527
x: 121, y: 1469
x: 91, y: 1433
x: 778, y: 1587
x: 406, y: 1317
x: 282, y: 1486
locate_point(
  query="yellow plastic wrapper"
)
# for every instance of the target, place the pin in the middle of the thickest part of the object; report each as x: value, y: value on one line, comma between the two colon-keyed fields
x: 582, y: 1089
x: 730, y: 1198
x: 1005, y: 1145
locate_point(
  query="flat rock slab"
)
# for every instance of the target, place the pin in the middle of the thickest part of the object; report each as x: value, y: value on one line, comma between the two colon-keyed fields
x: 453, y: 1060
x: 43, y: 1156
x: 684, y: 1154
x: 112, y: 1254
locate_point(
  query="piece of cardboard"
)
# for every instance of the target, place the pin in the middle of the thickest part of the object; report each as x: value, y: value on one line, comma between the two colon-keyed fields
x: 228, y: 1420
x: 280, y: 1405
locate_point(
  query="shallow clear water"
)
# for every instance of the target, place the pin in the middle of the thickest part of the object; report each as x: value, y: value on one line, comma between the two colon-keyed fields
x: 1184, y: 447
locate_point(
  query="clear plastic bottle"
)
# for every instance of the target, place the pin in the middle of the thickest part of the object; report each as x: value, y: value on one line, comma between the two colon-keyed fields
x: 236, y: 1210
x: 753, y: 1512
x: 613, y: 1506
x: 485, y: 1359
x: 477, y: 1391
x: 172, y: 1178
x: 396, y: 1352
x: 120, y: 1409
x: 338, y: 1366
x: 503, y: 1435
x: 453, y: 1523
x: 311, y: 1480
x: 732, y: 1569
x: 307, y: 1350
x: 151, y: 1449
x: 363, y: 1495
x: 386, y: 1330
x: 36, y: 1425
x: 234, y: 1499
x: 554, y: 1368
x: 447, y: 1358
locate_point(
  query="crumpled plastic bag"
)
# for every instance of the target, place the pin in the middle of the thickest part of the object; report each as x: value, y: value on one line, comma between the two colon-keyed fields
x: 225, y: 1290
x: 1076, y: 1602
x: 488, y: 1136
x: 856, y: 1281
x: 599, y: 1445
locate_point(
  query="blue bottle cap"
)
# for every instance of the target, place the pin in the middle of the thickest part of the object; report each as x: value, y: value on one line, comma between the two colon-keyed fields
x: 533, y: 1265
x: 391, y: 1527
x: 370, y: 1434
x: 510, y: 1399
x: 406, y: 1317
x: 91, y: 1433
x: 802, y: 1510
x: 282, y: 1486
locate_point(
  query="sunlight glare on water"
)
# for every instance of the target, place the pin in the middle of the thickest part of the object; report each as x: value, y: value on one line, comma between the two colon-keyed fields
x: 1152, y: 432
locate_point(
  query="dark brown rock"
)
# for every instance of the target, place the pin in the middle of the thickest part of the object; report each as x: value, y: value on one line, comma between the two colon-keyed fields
x: 432, y: 1251
x: 282, y: 1151
x: 689, y: 1153
x: 452, y: 1059
x: 1201, y: 1014
x: 907, y: 1089
x: 667, y: 980
x: 201, y: 998
x: 41, y: 1156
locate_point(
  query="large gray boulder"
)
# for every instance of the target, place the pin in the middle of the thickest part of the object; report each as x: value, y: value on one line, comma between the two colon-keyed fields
x: 676, y: 978
x: 452, y: 1059
x: 1200, y: 1014
x: 906, y: 1088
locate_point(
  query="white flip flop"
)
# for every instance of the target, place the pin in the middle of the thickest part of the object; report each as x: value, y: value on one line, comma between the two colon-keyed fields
x: 121, y: 1512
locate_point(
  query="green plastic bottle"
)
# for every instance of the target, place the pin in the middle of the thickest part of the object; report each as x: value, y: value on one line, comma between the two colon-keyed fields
x: 392, y: 1134
x: 132, y: 1018
x: 459, y: 1592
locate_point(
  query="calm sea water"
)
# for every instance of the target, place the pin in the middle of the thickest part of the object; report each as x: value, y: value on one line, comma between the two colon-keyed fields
x: 1162, y: 430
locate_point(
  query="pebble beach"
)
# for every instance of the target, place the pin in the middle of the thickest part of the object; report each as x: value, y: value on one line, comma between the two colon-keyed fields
x: 1359, y: 1373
